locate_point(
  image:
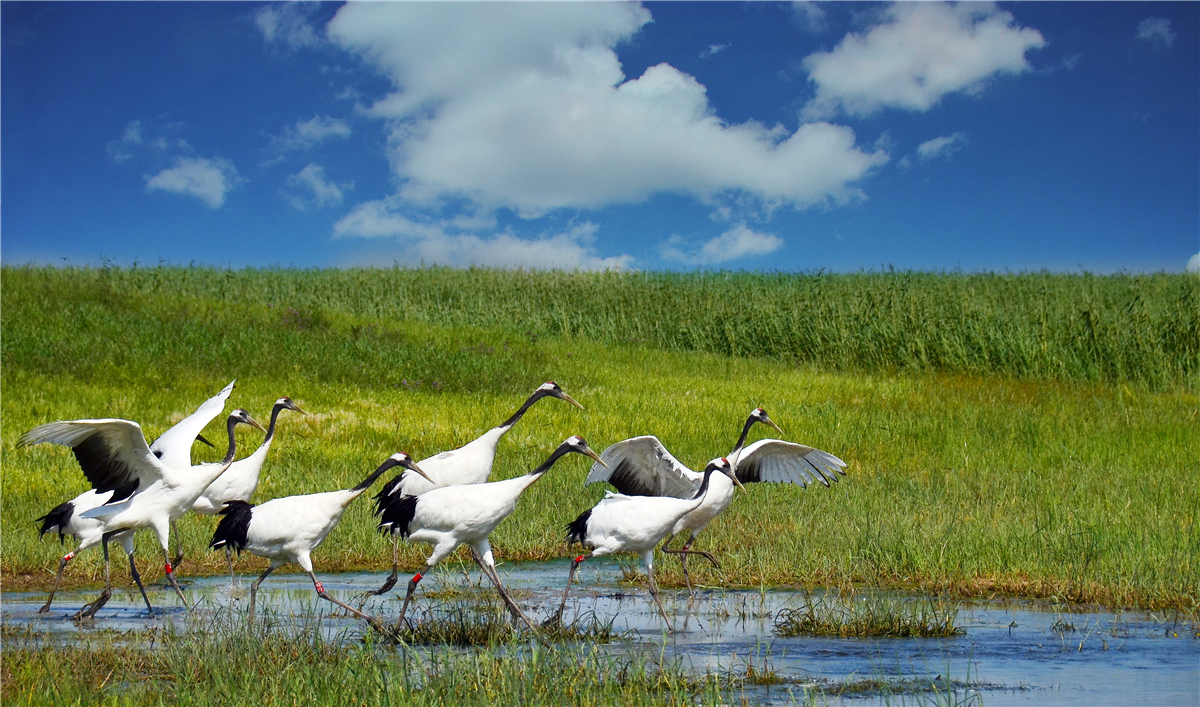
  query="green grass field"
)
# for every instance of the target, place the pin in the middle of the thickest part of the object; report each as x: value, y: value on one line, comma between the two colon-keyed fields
x: 1034, y: 435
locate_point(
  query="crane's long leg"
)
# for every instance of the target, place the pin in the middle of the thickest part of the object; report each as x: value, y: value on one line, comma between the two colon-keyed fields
x: 170, y: 570
x: 254, y: 587
x: 654, y: 593
x: 556, y: 617
x: 89, y: 610
x: 391, y: 580
x: 178, y: 551
x: 374, y: 623
x: 683, y: 555
x: 412, y: 587
x: 138, y: 578
x: 62, y: 564
x: 512, y: 605
x: 229, y: 559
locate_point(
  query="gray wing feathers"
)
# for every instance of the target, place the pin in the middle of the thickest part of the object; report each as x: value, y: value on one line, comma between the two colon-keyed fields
x: 175, y: 445
x: 773, y: 460
x: 642, y: 466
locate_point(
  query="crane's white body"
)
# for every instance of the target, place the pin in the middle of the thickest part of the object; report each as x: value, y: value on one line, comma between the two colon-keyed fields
x: 240, y: 481
x: 469, y: 464
x: 288, y: 529
x: 472, y: 462
x: 620, y: 523
x: 88, y: 531
x: 464, y: 515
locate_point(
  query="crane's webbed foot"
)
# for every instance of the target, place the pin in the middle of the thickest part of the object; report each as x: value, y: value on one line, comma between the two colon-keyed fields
x: 89, y: 610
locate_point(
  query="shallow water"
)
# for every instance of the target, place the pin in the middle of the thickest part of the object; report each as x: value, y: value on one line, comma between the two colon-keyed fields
x: 1013, y: 653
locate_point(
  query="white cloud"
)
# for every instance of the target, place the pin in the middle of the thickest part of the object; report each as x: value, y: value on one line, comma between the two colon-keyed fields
x: 207, y: 180
x: 287, y: 25
x: 941, y: 146
x: 524, y: 106
x: 308, y: 133
x: 918, y: 54
x: 446, y: 242
x: 1193, y: 264
x: 310, y: 189
x: 738, y: 242
x: 810, y: 16
x: 713, y: 50
x: 1157, y: 32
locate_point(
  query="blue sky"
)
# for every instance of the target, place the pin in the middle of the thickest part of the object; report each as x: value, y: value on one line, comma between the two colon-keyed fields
x: 758, y: 136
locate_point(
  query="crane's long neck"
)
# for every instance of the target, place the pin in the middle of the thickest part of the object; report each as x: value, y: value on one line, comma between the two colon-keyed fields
x: 232, y: 442
x: 371, y: 478
x: 516, y: 416
x: 542, y: 468
x: 737, y: 448
x: 703, y: 490
x: 271, y: 427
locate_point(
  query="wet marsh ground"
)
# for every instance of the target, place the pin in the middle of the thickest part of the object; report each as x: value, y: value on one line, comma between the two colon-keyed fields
x: 727, y: 645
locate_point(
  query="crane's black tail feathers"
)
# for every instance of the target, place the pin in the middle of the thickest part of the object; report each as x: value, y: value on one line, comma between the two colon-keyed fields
x: 381, y: 498
x: 57, y: 520
x: 396, y: 514
x: 577, y: 529
x: 232, y: 530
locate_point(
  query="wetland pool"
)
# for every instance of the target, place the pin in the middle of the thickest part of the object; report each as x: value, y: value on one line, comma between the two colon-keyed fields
x: 1012, y: 652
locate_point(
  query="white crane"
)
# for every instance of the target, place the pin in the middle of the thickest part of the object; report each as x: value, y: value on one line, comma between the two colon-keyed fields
x: 642, y: 466
x: 146, y: 493
x: 620, y: 523
x: 469, y: 464
x: 288, y: 529
x: 465, y: 515
x: 173, y: 447
x: 241, y: 480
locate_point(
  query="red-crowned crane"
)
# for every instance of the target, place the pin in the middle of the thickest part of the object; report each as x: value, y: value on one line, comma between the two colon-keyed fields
x: 241, y: 480
x: 465, y: 515
x: 288, y: 529
x: 173, y: 446
x: 469, y: 464
x: 620, y: 523
x: 146, y: 493
x: 642, y: 466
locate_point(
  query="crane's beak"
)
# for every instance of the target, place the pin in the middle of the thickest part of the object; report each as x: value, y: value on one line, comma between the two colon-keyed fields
x: 733, y: 476
x: 595, y: 456
x: 410, y: 464
x: 568, y: 398
x: 296, y: 407
x: 771, y: 422
x: 200, y: 438
x: 254, y: 423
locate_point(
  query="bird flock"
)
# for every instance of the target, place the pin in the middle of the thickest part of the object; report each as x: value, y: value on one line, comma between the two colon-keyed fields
x: 445, y: 501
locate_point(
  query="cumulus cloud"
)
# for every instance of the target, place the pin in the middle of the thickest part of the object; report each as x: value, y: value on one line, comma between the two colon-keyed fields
x: 738, y: 242
x: 454, y: 242
x: 941, y: 146
x: 1157, y: 32
x: 810, y: 16
x: 309, y: 133
x: 1193, y: 264
x: 525, y: 106
x: 205, y: 179
x: 308, y: 188
x: 287, y: 25
x: 919, y: 53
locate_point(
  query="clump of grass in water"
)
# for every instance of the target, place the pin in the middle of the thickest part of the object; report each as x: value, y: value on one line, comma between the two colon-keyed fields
x: 870, y: 616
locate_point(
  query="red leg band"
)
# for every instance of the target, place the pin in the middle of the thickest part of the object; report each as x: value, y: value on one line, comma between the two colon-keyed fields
x: 168, y: 568
x: 416, y: 578
x: 579, y: 559
x: 320, y: 588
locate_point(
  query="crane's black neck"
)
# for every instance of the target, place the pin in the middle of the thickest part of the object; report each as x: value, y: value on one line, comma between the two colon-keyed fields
x: 745, y: 433
x: 274, y: 416
x: 374, y: 476
x: 545, y: 466
x: 708, y: 472
x: 233, y: 421
x: 516, y: 416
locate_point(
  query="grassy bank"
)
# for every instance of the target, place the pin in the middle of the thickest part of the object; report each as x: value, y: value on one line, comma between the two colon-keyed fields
x: 966, y: 484
x: 1143, y: 328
